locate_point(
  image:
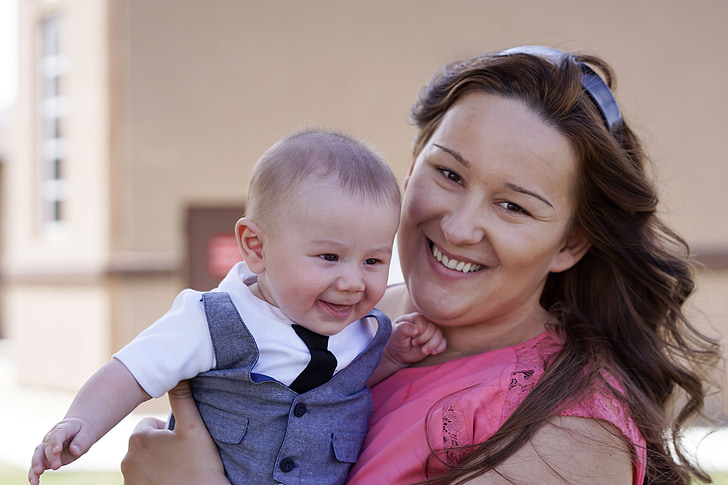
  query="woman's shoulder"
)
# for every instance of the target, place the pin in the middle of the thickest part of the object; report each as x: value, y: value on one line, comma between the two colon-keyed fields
x: 601, y: 402
x: 567, y: 450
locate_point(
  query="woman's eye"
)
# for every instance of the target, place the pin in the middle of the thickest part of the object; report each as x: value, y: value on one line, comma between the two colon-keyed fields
x: 511, y: 207
x: 329, y: 257
x: 450, y: 175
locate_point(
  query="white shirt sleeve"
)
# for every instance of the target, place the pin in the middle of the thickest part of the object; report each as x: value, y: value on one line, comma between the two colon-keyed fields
x: 175, y: 347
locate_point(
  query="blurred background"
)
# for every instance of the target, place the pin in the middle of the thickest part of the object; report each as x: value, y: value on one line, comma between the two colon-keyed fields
x: 128, y: 129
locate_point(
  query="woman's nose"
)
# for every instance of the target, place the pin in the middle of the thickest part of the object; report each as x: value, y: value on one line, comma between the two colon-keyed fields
x: 350, y: 280
x: 466, y: 225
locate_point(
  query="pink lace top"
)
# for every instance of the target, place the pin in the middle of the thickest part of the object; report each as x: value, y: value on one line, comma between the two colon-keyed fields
x: 467, y: 401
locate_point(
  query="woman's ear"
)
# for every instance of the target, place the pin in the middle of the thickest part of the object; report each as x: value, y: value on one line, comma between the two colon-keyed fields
x: 575, y: 247
x: 250, y: 242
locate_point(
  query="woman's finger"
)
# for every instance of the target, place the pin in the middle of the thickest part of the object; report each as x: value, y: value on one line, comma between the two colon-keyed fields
x: 184, y: 409
x: 149, y: 423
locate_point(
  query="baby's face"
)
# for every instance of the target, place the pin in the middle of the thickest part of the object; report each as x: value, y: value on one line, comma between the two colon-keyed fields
x: 327, y: 259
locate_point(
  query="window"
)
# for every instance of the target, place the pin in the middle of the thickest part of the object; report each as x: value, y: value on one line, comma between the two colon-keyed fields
x: 52, y: 112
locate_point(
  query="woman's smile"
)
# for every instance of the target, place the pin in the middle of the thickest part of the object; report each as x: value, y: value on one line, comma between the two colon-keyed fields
x: 450, y: 262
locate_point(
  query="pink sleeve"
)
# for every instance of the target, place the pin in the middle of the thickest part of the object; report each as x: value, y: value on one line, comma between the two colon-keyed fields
x: 604, y: 405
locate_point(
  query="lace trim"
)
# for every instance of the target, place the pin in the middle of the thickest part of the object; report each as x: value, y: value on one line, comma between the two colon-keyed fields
x: 531, y: 360
x: 602, y: 403
x: 454, y: 434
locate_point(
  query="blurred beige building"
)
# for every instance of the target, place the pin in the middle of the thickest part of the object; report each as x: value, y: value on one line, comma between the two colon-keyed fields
x: 137, y: 123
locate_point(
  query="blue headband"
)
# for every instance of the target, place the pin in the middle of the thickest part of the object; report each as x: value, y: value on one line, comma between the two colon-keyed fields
x: 595, y: 87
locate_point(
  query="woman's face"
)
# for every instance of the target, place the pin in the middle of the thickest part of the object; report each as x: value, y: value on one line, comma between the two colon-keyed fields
x: 487, y: 214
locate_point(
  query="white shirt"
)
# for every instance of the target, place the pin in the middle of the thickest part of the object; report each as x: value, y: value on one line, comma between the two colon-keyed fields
x: 178, y: 345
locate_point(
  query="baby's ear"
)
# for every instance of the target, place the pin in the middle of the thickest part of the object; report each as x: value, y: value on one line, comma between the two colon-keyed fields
x: 250, y: 242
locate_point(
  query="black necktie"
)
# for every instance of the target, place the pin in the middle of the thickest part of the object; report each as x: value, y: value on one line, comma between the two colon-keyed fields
x: 322, y: 365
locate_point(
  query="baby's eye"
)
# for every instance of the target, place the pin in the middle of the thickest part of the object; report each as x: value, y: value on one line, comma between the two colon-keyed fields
x: 372, y: 261
x: 329, y: 257
x: 450, y: 175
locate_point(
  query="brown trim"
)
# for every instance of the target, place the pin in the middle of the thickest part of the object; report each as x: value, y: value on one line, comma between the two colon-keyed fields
x: 122, y: 266
x: 165, y: 266
x: 711, y: 257
x: 156, y: 265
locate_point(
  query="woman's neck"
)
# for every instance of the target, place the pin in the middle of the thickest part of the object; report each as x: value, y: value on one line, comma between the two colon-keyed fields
x: 466, y: 340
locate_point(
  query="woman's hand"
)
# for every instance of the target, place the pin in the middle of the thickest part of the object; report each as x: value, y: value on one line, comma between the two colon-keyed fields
x: 187, y: 454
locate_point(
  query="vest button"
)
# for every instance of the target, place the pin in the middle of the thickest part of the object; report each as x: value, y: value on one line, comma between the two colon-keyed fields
x: 287, y: 465
x: 299, y: 410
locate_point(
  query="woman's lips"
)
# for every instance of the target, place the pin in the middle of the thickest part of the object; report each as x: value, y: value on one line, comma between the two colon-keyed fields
x: 454, y: 264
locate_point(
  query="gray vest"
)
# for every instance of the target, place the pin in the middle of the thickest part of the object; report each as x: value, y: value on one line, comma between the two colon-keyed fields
x: 268, y: 433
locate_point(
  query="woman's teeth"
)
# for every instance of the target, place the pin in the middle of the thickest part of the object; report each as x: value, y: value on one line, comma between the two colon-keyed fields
x: 454, y: 264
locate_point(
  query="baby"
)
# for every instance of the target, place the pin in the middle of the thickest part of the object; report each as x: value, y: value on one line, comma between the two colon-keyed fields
x: 280, y: 353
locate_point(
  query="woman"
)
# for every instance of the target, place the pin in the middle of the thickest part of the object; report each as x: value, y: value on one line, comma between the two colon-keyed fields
x: 529, y: 235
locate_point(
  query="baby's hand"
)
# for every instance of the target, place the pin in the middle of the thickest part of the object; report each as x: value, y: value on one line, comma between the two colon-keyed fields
x: 413, y: 338
x: 62, y: 445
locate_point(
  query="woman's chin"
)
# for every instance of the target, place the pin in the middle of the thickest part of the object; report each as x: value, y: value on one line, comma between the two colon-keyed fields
x: 437, y: 307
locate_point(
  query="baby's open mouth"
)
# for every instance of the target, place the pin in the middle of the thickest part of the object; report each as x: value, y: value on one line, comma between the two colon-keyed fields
x: 339, y: 310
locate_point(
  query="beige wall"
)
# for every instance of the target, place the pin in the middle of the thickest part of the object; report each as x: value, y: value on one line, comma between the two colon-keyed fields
x: 174, y: 100
x: 56, y: 306
x: 709, y: 311
x: 60, y: 347
x: 83, y: 245
x: 236, y: 76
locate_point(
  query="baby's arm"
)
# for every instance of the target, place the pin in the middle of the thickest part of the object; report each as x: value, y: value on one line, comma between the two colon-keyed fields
x: 107, y: 397
x: 413, y: 338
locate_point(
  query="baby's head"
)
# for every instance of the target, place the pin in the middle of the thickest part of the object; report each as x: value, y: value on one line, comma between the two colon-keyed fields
x: 314, y: 155
x: 322, y: 212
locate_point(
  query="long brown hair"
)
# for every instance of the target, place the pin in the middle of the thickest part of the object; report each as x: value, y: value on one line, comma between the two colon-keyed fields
x: 620, y: 308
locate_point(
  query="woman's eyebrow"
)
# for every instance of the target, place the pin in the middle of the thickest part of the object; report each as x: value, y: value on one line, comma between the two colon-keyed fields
x: 514, y: 187
x: 518, y: 188
x: 454, y: 154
